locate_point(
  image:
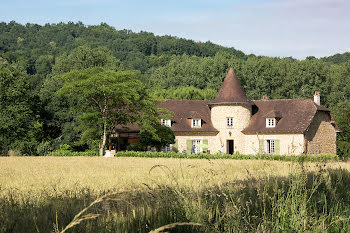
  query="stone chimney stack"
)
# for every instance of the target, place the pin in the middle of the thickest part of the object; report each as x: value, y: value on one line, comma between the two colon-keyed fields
x: 317, y: 98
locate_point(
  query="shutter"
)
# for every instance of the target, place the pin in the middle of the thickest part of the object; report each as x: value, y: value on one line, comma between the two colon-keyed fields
x: 205, y: 142
x: 277, y: 147
x: 189, y: 146
x: 261, y: 146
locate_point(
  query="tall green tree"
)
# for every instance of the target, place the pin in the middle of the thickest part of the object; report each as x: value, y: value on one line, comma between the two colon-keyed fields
x: 20, y: 127
x: 105, y: 99
x: 57, y: 117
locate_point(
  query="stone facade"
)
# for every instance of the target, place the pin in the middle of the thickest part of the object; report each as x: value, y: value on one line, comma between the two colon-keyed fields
x: 182, y: 138
x: 320, y: 138
x: 289, y: 144
x: 241, y: 115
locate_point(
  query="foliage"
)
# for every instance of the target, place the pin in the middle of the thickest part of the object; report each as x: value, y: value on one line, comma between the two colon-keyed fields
x: 44, y: 148
x: 163, y: 136
x: 20, y: 127
x: 343, y: 138
x: 136, y: 147
x: 298, y: 158
x: 107, y: 99
x: 337, y: 58
x: 65, y: 150
x: 185, y: 93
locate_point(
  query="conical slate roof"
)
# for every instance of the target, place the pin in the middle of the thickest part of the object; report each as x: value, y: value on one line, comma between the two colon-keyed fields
x: 231, y: 91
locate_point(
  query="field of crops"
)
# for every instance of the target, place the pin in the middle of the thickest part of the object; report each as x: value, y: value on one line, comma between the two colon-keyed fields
x: 44, y: 194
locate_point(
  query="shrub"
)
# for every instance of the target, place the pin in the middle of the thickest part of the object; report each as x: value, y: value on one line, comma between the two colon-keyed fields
x: 66, y: 151
x: 136, y: 147
x: 44, y: 148
x: 297, y: 158
x: 14, y: 153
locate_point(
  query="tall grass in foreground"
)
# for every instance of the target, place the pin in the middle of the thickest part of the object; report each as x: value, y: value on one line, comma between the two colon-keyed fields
x: 304, y: 201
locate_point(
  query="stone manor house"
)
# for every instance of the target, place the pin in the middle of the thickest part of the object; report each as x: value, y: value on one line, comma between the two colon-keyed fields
x: 232, y: 123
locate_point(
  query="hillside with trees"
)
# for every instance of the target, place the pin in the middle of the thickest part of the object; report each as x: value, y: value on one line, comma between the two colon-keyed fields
x: 34, y: 58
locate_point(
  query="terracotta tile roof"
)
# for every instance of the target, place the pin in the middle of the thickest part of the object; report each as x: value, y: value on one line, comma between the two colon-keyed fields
x: 273, y: 114
x: 231, y: 91
x: 188, y: 109
x: 296, y: 115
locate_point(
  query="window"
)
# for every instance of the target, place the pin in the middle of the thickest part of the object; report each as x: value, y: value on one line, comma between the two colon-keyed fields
x: 270, y: 122
x: 196, y: 123
x: 270, y: 146
x: 197, y: 149
x: 229, y: 122
x: 166, y: 122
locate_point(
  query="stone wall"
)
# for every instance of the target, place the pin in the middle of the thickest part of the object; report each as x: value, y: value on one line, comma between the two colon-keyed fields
x: 320, y: 138
x: 241, y: 116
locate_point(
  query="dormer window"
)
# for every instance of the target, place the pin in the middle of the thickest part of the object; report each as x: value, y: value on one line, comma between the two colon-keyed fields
x: 166, y: 122
x: 196, y: 123
x: 229, y: 122
x: 270, y: 122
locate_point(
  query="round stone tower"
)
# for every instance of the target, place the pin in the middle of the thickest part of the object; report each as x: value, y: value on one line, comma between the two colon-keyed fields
x: 231, y: 112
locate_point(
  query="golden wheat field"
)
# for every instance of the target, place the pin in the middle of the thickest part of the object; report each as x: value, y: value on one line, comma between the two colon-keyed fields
x: 128, y: 194
x: 36, y: 175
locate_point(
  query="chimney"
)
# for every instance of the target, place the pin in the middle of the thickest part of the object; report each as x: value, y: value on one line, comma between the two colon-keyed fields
x: 317, y: 98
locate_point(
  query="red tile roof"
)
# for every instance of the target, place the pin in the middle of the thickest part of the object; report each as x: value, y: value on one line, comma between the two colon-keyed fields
x: 183, y: 110
x: 296, y: 115
x: 231, y: 91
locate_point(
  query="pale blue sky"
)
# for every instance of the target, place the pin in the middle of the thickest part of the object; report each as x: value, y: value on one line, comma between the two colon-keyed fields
x: 297, y: 28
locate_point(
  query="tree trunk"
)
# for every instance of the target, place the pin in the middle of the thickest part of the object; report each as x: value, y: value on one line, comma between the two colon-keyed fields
x: 104, y: 137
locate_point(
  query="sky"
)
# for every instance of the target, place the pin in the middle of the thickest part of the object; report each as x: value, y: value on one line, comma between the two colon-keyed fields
x: 279, y: 28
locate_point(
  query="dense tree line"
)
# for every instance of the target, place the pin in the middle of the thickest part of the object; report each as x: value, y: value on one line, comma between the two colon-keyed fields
x: 34, y: 58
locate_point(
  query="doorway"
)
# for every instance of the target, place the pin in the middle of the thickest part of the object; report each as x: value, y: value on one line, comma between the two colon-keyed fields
x: 230, y: 147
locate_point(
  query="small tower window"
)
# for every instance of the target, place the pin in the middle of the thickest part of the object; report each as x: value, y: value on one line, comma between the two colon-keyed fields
x: 270, y: 122
x: 196, y: 123
x: 229, y: 122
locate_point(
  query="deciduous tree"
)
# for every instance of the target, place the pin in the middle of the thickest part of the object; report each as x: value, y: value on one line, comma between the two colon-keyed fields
x: 107, y: 99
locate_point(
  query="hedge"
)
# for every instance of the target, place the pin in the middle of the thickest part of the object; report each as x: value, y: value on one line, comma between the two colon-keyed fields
x: 298, y: 158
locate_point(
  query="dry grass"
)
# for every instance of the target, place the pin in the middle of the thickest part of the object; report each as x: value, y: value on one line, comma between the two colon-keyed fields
x: 92, y: 194
x: 51, y: 174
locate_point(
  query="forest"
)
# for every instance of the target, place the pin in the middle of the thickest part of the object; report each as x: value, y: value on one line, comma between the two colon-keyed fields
x: 38, y: 115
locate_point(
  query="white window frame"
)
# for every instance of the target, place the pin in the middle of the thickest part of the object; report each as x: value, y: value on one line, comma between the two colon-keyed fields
x: 165, y: 122
x: 196, y: 123
x: 270, y: 147
x: 270, y: 122
x: 229, y: 122
x: 196, y: 142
